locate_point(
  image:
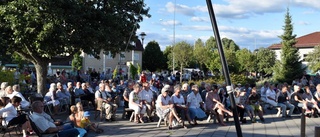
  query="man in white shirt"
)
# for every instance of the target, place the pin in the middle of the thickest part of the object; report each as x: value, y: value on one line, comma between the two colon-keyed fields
x: 147, y: 97
x: 271, y: 96
x: 46, y: 124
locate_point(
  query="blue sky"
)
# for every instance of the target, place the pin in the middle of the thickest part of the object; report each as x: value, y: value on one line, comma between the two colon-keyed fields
x: 250, y: 23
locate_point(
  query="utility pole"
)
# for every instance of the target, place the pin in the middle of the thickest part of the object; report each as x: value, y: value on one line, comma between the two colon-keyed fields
x: 224, y: 68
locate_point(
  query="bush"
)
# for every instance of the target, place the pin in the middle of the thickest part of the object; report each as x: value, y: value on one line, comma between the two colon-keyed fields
x: 235, y: 79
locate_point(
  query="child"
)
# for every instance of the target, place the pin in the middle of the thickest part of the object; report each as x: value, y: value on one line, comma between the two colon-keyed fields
x: 86, y: 123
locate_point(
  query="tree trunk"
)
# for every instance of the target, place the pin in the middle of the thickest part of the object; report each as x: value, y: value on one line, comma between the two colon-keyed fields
x: 42, y: 70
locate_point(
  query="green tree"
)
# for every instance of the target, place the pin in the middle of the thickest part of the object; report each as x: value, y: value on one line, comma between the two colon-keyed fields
x: 182, y: 54
x: 199, y: 53
x: 266, y: 59
x: 246, y: 60
x: 133, y: 71
x: 139, y: 70
x: 115, y: 72
x: 77, y: 61
x: 39, y: 30
x: 313, y: 59
x: 214, y: 63
x: 167, y: 53
x: 230, y: 44
x: 290, y: 66
x: 152, y: 57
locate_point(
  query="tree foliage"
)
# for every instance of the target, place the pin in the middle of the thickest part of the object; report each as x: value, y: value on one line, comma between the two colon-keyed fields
x: 290, y: 65
x: 152, y: 57
x: 266, y: 59
x: 313, y: 59
x: 182, y: 54
x: 246, y: 60
x: 167, y: 53
x: 199, y: 54
x: 133, y: 71
x: 39, y: 30
x: 213, y: 62
x: 76, y: 61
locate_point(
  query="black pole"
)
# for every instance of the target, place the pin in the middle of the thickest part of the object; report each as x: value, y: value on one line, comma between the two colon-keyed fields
x: 225, y: 68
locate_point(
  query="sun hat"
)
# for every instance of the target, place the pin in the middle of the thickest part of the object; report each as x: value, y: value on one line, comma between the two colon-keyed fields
x: 86, y: 114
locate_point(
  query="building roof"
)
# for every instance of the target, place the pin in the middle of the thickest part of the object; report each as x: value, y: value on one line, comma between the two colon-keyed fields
x: 139, y: 46
x: 307, y: 41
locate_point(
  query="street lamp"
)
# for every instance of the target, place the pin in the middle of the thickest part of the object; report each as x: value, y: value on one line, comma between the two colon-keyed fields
x: 142, y: 35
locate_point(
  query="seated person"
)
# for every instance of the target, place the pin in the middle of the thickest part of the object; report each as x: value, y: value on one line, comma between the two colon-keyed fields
x: 74, y: 117
x: 46, y: 124
x: 86, y: 123
x: 164, y: 106
x: 283, y: 102
x: 51, y: 98
x: 9, y: 113
x: 194, y: 102
x: 317, y: 94
x: 135, y: 103
x: 87, y: 94
x: 254, y: 102
x: 271, y: 96
x: 240, y: 100
x: 78, y: 92
x: 213, y: 104
x: 104, y: 100
x: 147, y: 97
x: 180, y: 106
x: 16, y: 92
x: 311, y: 103
x: 297, y: 99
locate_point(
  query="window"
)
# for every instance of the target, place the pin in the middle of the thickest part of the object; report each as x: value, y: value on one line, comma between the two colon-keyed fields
x: 109, y: 56
x: 122, y: 56
x: 136, y: 56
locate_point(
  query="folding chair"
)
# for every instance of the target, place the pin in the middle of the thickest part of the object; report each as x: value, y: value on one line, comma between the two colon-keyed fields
x: 7, y: 129
x: 38, y: 132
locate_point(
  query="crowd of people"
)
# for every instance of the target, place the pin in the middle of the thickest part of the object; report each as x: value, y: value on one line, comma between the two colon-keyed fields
x: 152, y: 97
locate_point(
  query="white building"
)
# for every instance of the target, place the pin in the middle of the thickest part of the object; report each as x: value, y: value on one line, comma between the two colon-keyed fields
x: 305, y: 45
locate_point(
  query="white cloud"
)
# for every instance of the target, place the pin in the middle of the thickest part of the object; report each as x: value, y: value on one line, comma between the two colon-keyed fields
x: 170, y: 22
x: 308, y: 3
x: 182, y: 9
x: 197, y: 28
x: 199, y: 19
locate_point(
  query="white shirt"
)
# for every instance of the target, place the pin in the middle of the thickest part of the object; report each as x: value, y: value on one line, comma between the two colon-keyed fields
x: 134, y: 98
x: 147, y: 95
x: 42, y: 121
x: 194, y: 100
x: 176, y: 100
x: 8, y: 112
x: 101, y: 94
x: 161, y: 99
x: 24, y: 103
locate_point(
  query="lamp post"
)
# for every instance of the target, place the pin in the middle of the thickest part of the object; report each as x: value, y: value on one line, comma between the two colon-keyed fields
x: 142, y: 35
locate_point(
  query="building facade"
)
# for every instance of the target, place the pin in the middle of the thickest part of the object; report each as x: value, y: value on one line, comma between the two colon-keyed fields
x: 107, y: 63
x: 305, y: 44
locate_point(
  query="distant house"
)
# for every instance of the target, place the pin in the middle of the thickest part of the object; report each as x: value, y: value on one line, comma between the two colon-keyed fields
x: 107, y: 63
x: 305, y: 45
